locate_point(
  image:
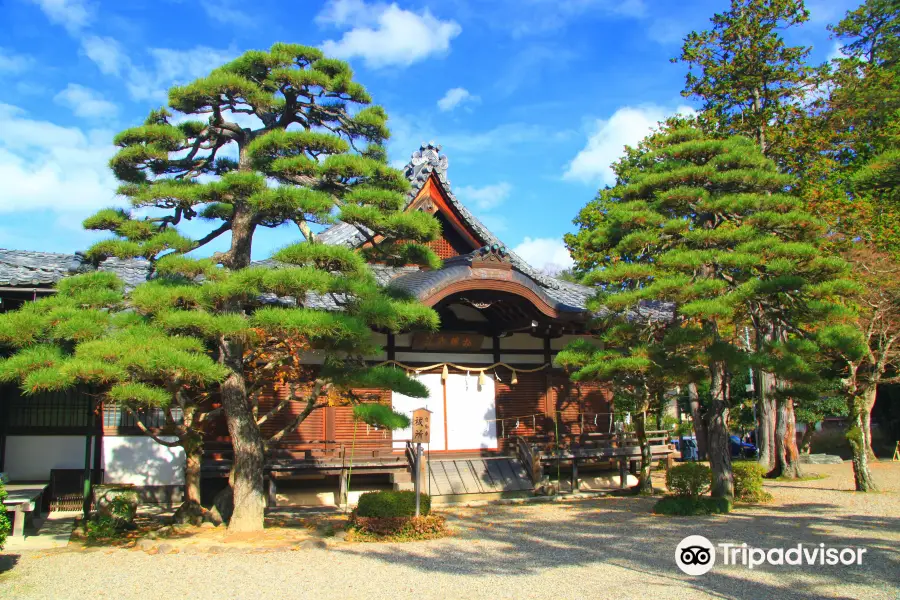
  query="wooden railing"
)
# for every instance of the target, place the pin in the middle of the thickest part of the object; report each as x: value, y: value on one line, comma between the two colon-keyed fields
x: 530, y: 458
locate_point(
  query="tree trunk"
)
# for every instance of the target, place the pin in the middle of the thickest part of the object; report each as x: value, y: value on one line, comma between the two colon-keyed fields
x: 806, y: 442
x: 719, y: 447
x: 766, y: 419
x: 246, y: 477
x: 869, y: 397
x: 700, y: 430
x: 193, y: 455
x: 861, y: 474
x: 645, y: 484
x: 787, y: 457
x: 242, y: 228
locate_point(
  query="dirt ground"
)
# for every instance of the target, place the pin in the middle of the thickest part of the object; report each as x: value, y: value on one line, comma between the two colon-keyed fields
x: 597, y: 548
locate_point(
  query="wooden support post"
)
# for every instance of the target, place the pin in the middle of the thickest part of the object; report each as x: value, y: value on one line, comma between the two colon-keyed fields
x: 86, y: 490
x: 343, y: 492
x: 670, y: 460
x: 620, y: 443
x: 574, y: 475
x: 271, y: 491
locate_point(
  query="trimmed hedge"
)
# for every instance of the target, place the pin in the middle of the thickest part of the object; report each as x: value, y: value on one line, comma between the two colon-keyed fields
x: 388, y: 504
x: 748, y: 482
x: 689, y: 480
x: 687, y: 506
x: 399, y: 528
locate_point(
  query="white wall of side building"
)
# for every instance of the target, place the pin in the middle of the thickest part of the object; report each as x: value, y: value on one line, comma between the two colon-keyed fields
x: 138, y: 460
x: 30, y: 457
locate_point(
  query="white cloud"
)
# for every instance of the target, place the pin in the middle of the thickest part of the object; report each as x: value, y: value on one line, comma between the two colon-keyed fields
x: 74, y: 15
x: 13, y: 63
x: 384, y: 34
x: 535, y: 17
x: 487, y: 197
x: 46, y: 166
x: 626, y: 127
x: 666, y: 31
x: 546, y: 254
x: 107, y: 53
x: 454, y: 97
x: 85, y: 102
x: 223, y: 11
x: 167, y: 67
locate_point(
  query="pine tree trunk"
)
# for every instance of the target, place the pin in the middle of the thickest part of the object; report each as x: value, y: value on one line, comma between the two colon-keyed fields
x: 869, y: 397
x: 247, y: 469
x: 861, y: 474
x: 700, y: 430
x: 645, y: 484
x: 806, y: 442
x: 719, y: 446
x: 193, y: 455
x: 787, y: 457
x: 766, y: 418
x: 242, y: 228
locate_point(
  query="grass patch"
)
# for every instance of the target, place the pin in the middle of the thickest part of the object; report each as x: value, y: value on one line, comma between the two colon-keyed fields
x: 684, y: 506
x: 809, y: 477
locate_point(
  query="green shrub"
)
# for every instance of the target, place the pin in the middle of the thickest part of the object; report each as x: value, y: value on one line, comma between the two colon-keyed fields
x: 397, y: 529
x: 390, y: 504
x: 100, y: 528
x: 748, y: 481
x: 4, y: 522
x: 687, y: 506
x: 690, y: 480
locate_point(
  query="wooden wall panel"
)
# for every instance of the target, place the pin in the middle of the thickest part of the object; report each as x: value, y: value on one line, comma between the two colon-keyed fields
x: 522, y: 400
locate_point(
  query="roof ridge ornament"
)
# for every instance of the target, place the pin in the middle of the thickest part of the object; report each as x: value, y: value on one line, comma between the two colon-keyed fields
x: 495, y: 256
x: 427, y: 158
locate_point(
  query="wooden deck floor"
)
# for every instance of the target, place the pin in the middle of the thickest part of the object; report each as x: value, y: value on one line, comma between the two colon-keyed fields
x: 477, y: 476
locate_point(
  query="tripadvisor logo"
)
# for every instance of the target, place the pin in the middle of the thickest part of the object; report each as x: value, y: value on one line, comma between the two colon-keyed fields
x: 696, y: 555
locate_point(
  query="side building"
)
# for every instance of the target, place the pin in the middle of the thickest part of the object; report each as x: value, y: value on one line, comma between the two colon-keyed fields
x: 490, y: 370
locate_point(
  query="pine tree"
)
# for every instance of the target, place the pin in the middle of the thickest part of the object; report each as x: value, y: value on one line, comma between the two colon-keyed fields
x: 752, y: 83
x: 711, y: 226
x: 283, y: 137
x: 85, y: 337
x: 863, y: 117
x: 749, y: 80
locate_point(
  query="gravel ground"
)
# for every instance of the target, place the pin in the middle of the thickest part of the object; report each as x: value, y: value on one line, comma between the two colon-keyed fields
x: 606, y: 548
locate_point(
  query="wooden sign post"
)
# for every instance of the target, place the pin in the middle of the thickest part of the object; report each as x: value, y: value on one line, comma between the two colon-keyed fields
x: 421, y: 434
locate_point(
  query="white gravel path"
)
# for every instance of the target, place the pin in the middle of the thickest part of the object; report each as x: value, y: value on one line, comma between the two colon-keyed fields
x: 606, y: 548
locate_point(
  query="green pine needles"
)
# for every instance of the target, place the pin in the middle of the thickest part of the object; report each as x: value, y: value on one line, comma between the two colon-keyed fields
x: 708, y: 231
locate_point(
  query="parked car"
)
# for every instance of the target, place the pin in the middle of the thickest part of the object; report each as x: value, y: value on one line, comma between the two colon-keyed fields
x: 689, y: 451
x: 740, y: 449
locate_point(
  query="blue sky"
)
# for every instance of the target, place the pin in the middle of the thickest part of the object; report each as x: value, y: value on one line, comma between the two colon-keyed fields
x: 530, y: 99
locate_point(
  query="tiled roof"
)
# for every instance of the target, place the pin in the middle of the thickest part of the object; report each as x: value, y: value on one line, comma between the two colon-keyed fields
x: 428, y: 160
x: 24, y: 268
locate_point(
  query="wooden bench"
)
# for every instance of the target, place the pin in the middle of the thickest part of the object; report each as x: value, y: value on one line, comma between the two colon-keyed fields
x: 22, y: 500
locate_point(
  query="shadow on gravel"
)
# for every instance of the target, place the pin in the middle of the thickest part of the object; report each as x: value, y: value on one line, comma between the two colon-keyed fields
x: 7, y: 562
x: 624, y: 533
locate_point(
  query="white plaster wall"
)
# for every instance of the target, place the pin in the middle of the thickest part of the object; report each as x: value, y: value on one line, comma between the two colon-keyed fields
x: 522, y: 341
x: 30, y: 457
x: 138, y: 460
x: 432, y: 358
x: 562, y: 341
x: 522, y: 359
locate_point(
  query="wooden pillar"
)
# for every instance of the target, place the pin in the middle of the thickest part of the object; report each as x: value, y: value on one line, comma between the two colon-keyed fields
x: 4, y: 419
x: 496, y: 348
x: 574, y: 475
x: 89, y: 430
x: 343, y: 492
x: 391, y: 346
x: 98, y: 445
x: 271, y: 491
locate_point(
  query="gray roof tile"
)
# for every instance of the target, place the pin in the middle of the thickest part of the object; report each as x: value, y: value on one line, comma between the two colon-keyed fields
x: 428, y: 160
